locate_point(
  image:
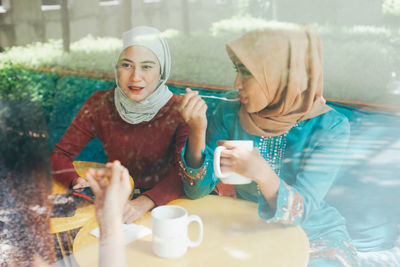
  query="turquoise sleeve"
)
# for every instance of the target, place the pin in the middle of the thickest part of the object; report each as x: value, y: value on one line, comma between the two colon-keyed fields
x: 217, y: 130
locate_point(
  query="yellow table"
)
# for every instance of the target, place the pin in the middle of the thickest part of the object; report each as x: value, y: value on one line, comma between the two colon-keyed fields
x: 233, y: 236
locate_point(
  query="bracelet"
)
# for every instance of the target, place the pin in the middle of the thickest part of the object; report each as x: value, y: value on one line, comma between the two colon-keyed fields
x: 188, y: 177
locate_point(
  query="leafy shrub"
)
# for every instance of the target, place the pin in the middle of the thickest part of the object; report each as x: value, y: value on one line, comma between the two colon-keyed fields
x: 236, y: 25
x: 17, y: 84
x: 360, y: 61
x: 88, y: 54
x: 71, y: 93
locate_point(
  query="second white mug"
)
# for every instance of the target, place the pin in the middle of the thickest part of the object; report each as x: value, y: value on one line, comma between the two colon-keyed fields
x: 170, y: 231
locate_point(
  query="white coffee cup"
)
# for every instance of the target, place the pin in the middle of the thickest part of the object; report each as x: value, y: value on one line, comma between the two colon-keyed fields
x: 231, y: 177
x: 170, y: 231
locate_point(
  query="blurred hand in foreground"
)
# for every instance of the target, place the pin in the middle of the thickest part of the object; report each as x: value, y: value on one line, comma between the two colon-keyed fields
x: 111, y: 187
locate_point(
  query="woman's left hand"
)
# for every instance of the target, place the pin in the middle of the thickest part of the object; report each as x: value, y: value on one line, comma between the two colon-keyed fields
x: 137, y: 208
x: 251, y: 164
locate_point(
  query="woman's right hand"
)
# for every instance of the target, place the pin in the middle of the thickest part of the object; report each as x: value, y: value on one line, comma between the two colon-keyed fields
x: 193, y: 110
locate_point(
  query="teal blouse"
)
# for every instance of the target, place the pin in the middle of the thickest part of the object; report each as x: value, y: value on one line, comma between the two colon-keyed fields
x: 306, y: 159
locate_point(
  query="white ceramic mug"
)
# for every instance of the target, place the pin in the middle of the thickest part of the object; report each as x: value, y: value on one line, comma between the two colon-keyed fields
x: 231, y: 177
x: 170, y: 231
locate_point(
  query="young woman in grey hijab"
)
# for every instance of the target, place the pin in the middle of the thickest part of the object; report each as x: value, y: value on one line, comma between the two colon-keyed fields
x: 138, y: 123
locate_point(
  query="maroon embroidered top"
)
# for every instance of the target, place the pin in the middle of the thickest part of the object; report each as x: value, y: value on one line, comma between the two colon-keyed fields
x: 149, y: 150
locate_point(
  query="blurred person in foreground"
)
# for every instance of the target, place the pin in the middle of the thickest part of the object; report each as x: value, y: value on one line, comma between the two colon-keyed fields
x: 25, y: 187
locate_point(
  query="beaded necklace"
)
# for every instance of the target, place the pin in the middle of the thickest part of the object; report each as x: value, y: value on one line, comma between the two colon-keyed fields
x: 273, y: 149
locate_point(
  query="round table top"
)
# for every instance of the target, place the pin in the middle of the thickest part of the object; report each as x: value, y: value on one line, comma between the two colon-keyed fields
x: 234, y: 235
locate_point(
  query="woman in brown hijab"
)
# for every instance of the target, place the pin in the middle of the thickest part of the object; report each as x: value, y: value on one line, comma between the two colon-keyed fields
x: 282, y: 110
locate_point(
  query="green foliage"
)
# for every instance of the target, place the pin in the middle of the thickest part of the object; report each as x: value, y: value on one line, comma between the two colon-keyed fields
x: 88, y: 54
x: 71, y: 93
x: 17, y: 84
x: 22, y: 133
x: 25, y: 103
x: 236, y: 25
x: 359, y: 61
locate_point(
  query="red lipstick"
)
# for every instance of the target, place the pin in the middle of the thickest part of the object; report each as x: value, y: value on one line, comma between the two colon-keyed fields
x: 135, y: 89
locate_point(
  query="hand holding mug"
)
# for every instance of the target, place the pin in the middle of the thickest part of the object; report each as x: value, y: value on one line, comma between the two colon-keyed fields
x: 237, y: 162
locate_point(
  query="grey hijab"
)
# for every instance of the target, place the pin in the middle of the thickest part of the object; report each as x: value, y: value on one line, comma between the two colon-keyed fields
x: 137, y: 112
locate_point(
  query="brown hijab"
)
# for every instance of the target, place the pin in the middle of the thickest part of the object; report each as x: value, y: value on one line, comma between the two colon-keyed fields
x: 286, y: 61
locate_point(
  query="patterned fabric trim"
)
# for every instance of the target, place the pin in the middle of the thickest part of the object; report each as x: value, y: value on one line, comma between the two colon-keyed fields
x: 340, y: 251
x: 189, y: 176
x: 290, y: 207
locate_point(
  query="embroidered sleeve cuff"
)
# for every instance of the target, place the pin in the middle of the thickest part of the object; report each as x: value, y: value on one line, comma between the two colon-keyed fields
x: 188, y: 174
x: 289, y: 206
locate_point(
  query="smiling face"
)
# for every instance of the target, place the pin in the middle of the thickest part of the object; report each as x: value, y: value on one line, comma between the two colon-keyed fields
x: 138, y: 72
x: 250, y: 92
